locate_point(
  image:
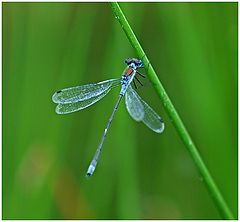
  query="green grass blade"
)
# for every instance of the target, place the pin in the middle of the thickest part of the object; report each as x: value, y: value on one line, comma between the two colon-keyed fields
x: 173, y: 115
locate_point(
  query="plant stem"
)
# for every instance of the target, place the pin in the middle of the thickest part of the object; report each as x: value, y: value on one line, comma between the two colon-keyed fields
x: 173, y: 115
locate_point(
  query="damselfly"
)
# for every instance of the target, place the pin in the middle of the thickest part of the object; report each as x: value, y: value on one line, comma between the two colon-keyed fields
x: 76, y: 98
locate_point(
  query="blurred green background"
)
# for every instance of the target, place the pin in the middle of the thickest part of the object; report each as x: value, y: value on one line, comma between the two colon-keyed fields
x: 141, y: 174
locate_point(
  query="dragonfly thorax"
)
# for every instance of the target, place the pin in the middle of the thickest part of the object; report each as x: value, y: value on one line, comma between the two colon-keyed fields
x: 128, y: 75
x: 126, y: 79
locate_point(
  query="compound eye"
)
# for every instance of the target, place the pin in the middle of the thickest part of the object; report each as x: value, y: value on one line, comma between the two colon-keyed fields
x: 140, y: 63
x: 127, y: 61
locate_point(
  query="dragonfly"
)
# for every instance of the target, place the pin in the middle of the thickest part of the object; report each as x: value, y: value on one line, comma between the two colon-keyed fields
x: 80, y: 97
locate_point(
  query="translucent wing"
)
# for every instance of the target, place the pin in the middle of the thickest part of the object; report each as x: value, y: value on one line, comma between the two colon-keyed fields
x: 134, y: 105
x: 150, y: 118
x: 84, y: 92
x: 64, y: 108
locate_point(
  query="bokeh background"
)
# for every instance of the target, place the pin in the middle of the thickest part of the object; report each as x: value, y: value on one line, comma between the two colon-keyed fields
x: 141, y: 174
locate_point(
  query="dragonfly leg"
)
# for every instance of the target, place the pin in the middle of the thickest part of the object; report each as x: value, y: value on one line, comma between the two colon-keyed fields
x: 139, y: 81
x: 141, y: 74
x: 134, y: 84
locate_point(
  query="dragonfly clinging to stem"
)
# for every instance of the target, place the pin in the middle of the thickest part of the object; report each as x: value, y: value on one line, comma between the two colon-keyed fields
x: 76, y: 98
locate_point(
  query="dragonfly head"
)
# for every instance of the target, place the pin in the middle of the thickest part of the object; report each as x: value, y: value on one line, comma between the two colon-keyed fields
x: 134, y: 63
